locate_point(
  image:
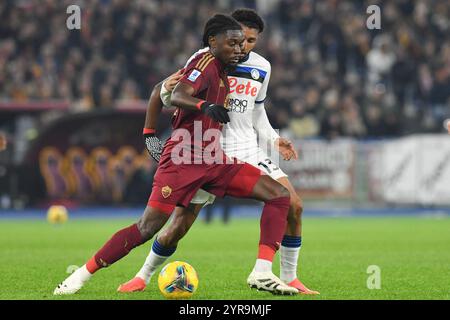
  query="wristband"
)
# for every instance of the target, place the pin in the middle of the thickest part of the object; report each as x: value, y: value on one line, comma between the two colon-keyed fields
x: 148, y: 130
x: 199, y: 105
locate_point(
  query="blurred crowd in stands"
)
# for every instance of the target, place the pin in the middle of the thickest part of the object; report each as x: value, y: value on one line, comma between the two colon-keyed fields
x: 331, y: 75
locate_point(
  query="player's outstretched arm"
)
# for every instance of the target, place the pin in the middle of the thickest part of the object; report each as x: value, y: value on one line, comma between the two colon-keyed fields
x: 154, y: 108
x: 168, y: 85
x: 160, y: 93
x: 182, y: 96
x: 264, y: 129
x: 152, y: 142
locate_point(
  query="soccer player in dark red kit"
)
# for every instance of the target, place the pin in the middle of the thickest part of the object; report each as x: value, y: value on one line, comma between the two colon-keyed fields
x: 192, y: 159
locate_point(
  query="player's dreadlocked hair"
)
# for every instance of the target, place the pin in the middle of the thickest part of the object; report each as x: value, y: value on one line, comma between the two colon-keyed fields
x: 249, y: 18
x: 220, y: 23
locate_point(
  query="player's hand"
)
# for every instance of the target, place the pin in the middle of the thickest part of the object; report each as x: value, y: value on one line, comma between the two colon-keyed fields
x: 173, y: 79
x: 216, y: 112
x: 286, y: 149
x: 154, y: 145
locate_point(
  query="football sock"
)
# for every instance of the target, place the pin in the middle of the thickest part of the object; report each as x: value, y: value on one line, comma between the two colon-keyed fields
x: 272, y: 227
x: 289, y: 251
x: 273, y: 223
x: 83, y: 273
x: 116, y: 248
x: 155, y: 258
x: 262, y: 265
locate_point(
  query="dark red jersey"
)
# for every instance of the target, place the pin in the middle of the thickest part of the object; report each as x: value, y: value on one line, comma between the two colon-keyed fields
x: 177, y: 183
x: 207, y: 76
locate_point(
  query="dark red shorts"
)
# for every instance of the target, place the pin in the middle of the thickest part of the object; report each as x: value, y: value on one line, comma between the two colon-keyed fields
x: 176, y: 185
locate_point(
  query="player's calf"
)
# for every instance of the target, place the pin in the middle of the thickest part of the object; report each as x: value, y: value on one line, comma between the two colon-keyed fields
x: 151, y: 222
x: 294, y: 217
x: 180, y: 224
x: 273, y: 224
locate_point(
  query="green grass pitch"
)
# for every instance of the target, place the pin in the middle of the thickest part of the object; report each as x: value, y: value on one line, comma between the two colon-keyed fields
x: 413, y: 254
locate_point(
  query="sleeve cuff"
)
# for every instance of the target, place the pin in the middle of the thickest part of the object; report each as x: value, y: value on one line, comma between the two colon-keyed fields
x: 165, y: 95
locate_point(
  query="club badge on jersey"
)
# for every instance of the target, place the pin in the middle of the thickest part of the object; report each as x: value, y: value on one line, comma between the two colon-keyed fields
x: 255, y: 74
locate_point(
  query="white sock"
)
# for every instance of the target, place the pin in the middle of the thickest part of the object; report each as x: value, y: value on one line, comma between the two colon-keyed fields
x: 152, y: 263
x: 82, y: 274
x: 262, y: 265
x: 288, y: 263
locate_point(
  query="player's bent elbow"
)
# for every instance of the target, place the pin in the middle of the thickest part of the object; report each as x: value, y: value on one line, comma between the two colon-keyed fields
x: 181, y: 94
x: 156, y: 90
x: 175, y: 98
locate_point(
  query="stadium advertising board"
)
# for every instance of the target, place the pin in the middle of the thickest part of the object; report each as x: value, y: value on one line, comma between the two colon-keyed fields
x: 411, y: 170
x: 324, y: 169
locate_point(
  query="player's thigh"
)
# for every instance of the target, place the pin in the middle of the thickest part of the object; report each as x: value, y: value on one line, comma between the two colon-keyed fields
x: 268, y: 189
x: 296, y: 201
x: 250, y: 182
x: 175, y: 185
x: 202, y: 197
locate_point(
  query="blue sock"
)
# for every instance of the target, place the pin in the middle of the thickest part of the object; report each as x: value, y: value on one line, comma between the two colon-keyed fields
x: 291, y: 241
x: 157, y: 256
x: 160, y: 250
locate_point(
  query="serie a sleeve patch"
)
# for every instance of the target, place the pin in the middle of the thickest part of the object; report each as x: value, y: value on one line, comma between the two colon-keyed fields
x: 194, y: 75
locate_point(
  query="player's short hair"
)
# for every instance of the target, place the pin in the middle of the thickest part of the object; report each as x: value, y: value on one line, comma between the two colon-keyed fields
x: 249, y: 18
x: 220, y: 23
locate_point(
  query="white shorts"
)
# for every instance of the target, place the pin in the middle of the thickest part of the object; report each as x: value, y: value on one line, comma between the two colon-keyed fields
x: 259, y: 159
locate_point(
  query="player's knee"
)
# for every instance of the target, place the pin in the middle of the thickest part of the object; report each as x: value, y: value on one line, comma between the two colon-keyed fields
x: 296, y: 206
x: 295, y: 211
x: 145, y: 229
x: 279, y: 194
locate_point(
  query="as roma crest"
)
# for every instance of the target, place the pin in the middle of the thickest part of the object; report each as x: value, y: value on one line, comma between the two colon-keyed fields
x: 166, y: 191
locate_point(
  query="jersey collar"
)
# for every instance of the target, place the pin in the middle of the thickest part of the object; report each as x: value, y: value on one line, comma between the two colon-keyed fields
x: 247, y: 56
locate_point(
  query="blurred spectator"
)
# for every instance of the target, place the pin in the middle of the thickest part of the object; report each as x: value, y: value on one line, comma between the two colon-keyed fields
x: 380, y: 60
x: 374, y: 121
x: 321, y: 53
x: 3, y: 141
x: 302, y: 124
x: 331, y: 126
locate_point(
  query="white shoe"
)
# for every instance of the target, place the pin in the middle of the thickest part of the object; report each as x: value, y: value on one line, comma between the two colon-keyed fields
x: 267, y: 281
x: 72, y: 284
